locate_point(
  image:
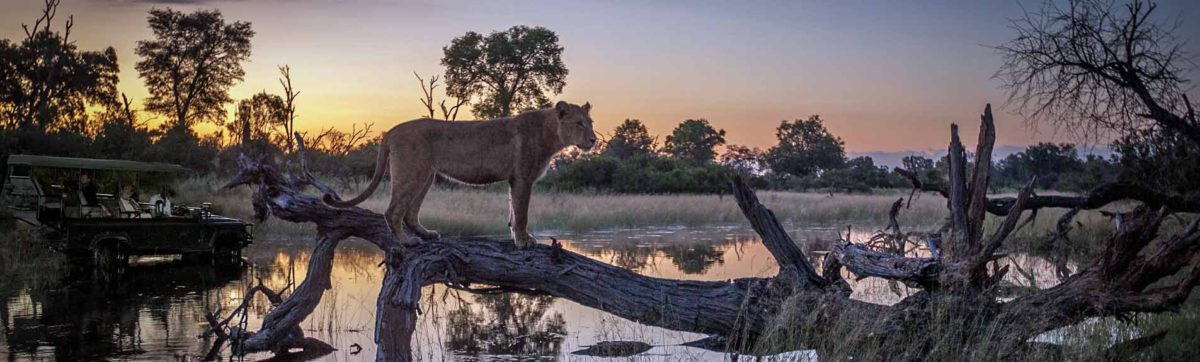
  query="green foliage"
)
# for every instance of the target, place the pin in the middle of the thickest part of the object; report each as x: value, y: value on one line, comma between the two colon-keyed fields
x: 1056, y: 166
x: 645, y: 174
x: 805, y: 148
x: 1046, y: 161
x: 917, y: 164
x: 694, y: 141
x: 507, y: 71
x: 630, y: 139
x: 1158, y: 158
x: 859, y: 175
x: 744, y: 160
x: 190, y: 64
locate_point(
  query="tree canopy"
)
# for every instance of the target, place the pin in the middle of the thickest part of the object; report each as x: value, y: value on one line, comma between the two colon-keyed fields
x: 1047, y: 161
x: 47, y: 82
x: 191, y: 63
x: 1093, y: 66
x: 258, y: 118
x: 629, y: 139
x: 805, y: 148
x: 695, y: 141
x: 506, y: 71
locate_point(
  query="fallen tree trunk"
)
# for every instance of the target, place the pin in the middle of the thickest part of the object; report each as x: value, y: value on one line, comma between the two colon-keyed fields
x: 959, y: 288
x: 738, y: 309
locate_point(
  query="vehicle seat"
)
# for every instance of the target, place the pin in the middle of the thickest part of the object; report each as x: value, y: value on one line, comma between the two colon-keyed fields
x: 88, y: 211
x: 129, y: 210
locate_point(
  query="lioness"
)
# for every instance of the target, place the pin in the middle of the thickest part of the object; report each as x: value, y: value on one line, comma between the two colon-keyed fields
x: 515, y: 149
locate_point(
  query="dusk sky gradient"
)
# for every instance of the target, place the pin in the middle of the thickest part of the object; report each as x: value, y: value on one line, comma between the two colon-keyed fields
x: 886, y: 76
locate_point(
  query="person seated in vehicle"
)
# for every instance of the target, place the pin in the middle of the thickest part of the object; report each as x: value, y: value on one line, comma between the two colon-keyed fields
x: 91, y: 203
x: 162, y: 203
x: 129, y: 204
x: 70, y: 199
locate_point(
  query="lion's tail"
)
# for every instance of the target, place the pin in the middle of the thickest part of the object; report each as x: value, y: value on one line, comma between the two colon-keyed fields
x: 381, y: 163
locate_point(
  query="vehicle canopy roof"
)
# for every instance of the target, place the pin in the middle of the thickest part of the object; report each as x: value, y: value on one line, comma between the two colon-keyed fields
x: 94, y: 164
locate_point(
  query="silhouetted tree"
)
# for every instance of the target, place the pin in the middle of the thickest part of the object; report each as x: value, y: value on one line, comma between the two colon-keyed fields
x: 449, y: 112
x: 288, y: 122
x: 258, y: 118
x: 917, y: 163
x: 190, y: 64
x: 805, y: 148
x: 1094, y: 171
x: 1093, y: 65
x: 47, y: 82
x: 744, y: 160
x: 629, y: 139
x: 1048, y: 162
x: 182, y: 146
x: 1160, y: 158
x: 695, y: 141
x: 507, y: 71
x: 121, y: 135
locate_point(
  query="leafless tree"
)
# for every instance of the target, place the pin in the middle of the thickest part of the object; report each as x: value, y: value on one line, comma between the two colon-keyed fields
x: 289, y: 110
x: 1096, y: 67
x: 336, y: 142
x: 449, y: 112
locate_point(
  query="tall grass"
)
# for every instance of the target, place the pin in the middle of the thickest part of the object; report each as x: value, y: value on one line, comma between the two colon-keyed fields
x: 25, y: 261
x: 485, y: 211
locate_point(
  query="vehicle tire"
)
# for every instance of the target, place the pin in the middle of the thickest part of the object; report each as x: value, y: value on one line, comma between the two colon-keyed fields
x: 226, y: 255
x: 110, y: 257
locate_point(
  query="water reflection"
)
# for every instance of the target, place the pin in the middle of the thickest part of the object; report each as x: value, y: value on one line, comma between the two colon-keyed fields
x: 156, y: 311
x: 506, y: 324
x: 147, y: 312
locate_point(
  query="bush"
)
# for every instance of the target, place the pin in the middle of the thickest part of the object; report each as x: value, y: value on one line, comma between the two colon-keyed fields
x: 647, y: 174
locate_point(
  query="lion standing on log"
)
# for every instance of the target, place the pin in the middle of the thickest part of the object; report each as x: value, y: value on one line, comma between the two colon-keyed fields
x: 515, y: 149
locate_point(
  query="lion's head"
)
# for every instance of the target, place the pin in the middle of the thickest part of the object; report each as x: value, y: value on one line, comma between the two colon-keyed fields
x: 575, y: 125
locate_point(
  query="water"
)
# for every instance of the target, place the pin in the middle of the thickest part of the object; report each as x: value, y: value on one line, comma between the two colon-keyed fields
x: 156, y: 311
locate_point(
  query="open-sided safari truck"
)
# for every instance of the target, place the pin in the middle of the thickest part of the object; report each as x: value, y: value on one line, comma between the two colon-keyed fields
x: 108, y: 221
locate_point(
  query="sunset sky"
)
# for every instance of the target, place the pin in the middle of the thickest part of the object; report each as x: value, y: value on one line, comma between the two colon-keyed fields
x: 886, y: 76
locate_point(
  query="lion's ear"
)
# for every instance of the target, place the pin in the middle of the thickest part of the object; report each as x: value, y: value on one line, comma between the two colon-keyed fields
x: 587, y: 107
x: 561, y: 108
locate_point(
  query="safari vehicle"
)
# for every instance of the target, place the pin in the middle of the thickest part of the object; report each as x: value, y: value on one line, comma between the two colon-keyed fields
x: 42, y: 190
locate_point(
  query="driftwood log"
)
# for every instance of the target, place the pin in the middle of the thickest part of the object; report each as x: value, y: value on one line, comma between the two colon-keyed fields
x: 959, y: 285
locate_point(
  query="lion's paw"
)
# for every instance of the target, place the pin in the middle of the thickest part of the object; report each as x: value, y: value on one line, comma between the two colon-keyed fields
x: 524, y: 240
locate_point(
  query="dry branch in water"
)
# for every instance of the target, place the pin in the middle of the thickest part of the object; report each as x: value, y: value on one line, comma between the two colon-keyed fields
x: 959, y: 285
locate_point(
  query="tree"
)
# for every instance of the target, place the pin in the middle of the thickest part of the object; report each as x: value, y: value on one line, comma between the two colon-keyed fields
x: 46, y: 87
x: 805, y: 148
x: 695, y: 141
x: 288, y: 122
x: 744, y: 160
x: 917, y: 163
x: 47, y: 82
x: 1049, y: 162
x: 450, y: 112
x: 629, y: 139
x: 1094, y: 66
x: 1159, y: 158
x: 258, y: 118
x: 121, y: 135
x: 507, y: 71
x: 190, y: 64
